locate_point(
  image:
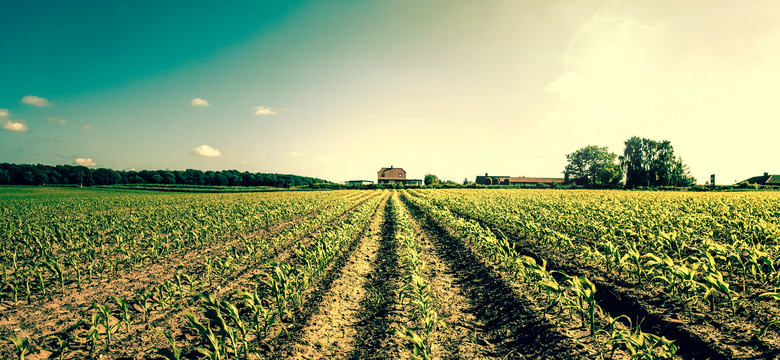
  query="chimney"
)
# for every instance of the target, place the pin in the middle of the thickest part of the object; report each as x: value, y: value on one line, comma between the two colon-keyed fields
x: 391, y: 166
x: 485, y: 174
x: 766, y: 174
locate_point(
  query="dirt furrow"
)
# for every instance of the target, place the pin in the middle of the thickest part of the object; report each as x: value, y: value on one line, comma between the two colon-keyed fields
x: 244, y: 278
x: 332, y: 331
x: 462, y: 336
x: 56, y: 317
x: 656, y: 312
x: 489, y: 318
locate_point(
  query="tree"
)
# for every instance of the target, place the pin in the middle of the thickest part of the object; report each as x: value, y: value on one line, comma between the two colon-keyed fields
x: 594, y: 164
x: 5, y: 177
x: 431, y: 180
x: 652, y: 163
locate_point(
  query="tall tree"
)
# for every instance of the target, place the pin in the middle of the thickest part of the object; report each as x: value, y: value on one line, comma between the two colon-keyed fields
x: 594, y: 164
x: 652, y: 163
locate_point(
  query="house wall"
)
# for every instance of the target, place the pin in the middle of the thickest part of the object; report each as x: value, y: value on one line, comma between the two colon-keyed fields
x: 391, y: 174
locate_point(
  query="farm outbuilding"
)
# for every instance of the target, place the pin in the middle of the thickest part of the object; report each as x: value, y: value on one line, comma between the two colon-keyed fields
x: 521, y: 181
x: 765, y: 179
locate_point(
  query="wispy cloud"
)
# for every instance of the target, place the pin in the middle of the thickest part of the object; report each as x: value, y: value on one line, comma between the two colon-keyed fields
x: 85, y: 162
x: 205, y: 150
x: 57, y: 119
x: 88, y: 127
x: 262, y: 110
x: 295, y: 154
x: 199, y: 102
x: 35, y: 101
x: 3, y: 113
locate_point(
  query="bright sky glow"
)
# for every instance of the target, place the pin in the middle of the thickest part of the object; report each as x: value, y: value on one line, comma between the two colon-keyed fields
x: 339, y: 89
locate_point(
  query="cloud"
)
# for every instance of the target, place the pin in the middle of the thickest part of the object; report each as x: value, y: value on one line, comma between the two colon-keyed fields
x: 205, y: 150
x: 294, y: 154
x: 3, y: 113
x: 262, y: 110
x: 199, y: 102
x: 88, y: 127
x: 35, y: 101
x: 57, y: 119
x: 15, y: 126
x: 85, y: 162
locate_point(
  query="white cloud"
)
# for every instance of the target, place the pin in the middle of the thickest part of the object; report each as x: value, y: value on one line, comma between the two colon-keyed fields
x: 57, y: 119
x: 85, y: 162
x: 205, y: 150
x: 15, y: 126
x: 35, y: 101
x: 294, y: 154
x: 88, y: 127
x: 199, y: 102
x: 3, y: 113
x: 262, y: 110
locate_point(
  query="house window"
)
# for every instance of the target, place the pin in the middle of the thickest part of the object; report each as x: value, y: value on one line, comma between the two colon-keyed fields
x: 399, y: 175
x: 383, y: 174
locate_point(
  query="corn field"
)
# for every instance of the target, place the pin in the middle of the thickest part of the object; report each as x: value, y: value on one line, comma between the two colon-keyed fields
x: 381, y: 274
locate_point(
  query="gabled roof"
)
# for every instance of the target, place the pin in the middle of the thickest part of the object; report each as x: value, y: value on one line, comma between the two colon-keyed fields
x: 390, y: 168
x: 764, y: 180
x: 527, y: 180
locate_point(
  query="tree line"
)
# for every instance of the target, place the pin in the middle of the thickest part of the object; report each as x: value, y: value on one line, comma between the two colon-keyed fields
x: 24, y: 174
x: 644, y: 162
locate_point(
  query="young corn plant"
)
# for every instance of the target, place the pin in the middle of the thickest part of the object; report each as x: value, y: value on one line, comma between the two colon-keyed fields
x: 217, y: 349
x: 21, y: 345
x: 104, y: 319
x: 174, y: 353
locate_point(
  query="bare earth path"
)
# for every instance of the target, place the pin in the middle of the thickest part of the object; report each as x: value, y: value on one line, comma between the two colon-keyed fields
x: 335, y: 330
x: 489, y: 317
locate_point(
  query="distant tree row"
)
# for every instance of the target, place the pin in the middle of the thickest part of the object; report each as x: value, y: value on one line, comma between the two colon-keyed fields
x: 644, y: 162
x: 23, y: 174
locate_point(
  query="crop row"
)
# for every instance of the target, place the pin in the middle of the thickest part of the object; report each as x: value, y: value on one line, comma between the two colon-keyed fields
x: 683, y: 248
x: 124, y: 318
x: 565, y: 297
x: 415, y: 291
x: 48, y: 246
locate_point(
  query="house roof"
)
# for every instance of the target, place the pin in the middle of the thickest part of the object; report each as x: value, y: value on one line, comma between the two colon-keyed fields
x: 764, y: 180
x: 773, y: 180
x: 390, y: 168
x: 527, y: 180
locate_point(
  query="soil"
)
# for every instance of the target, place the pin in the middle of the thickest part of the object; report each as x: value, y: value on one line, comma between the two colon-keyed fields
x: 359, y: 305
x: 493, y: 319
x: 59, y: 314
x: 711, y: 335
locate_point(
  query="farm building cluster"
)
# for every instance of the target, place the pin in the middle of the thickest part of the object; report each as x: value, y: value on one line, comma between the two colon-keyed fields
x: 391, y: 175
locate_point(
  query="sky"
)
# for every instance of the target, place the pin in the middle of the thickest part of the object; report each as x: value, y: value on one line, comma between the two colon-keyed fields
x: 339, y: 89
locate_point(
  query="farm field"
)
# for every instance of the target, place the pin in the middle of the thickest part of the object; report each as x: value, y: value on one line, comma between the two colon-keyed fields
x: 388, y: 274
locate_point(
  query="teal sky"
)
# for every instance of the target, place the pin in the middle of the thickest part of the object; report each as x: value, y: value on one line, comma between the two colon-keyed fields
x: 339, y: 89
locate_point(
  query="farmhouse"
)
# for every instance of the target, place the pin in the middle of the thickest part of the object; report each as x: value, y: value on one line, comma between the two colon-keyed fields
x: 521, y: 181
x: 394, y: 175
x: 766, y: 179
